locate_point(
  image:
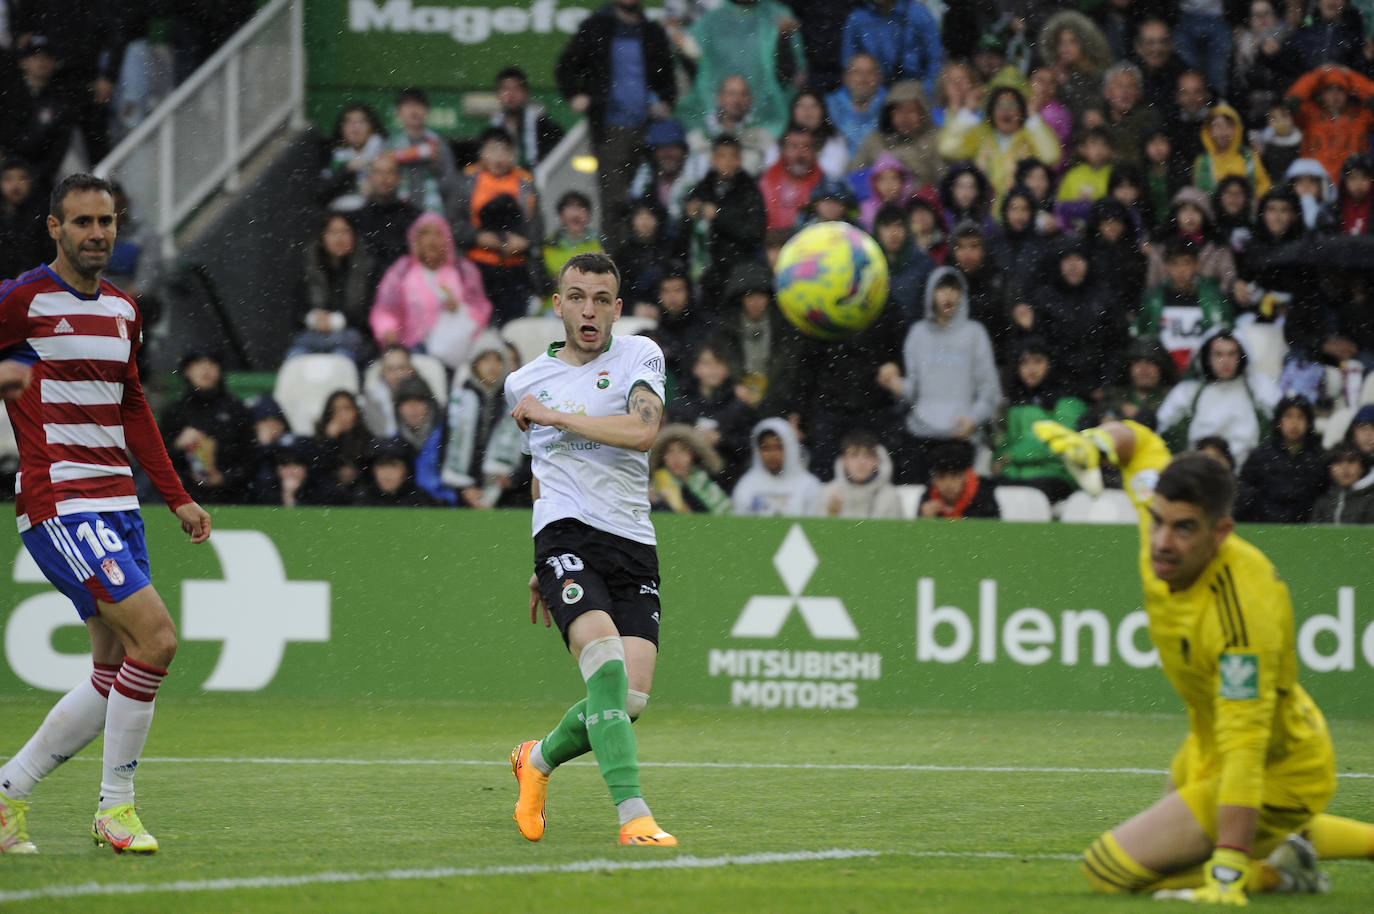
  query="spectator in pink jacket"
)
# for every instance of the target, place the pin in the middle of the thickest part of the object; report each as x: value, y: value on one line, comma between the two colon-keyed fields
x: 431, y: 298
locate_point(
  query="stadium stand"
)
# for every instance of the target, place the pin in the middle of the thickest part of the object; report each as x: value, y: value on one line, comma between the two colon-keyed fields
x: 305, y: 382
x: 1022, y: 504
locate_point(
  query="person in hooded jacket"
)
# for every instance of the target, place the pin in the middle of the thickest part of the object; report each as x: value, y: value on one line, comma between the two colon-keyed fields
x: 209, y: 433
x: 708, y: 401
x: 1224, y: 152
x: 889, y: 181
x: 965, y: 194
x: 766, y: 343
x: 1005, y: 135
x: 482, y: 449
x: 1331, y: 111
x: 905, y: 132
x: 1191, y: 217
x: 777, y: 483
x: 1352, y: 212
x: 682, y: 471
x: 1282, y: 477
x: 987, y: 284
x: 390, y: 481
x: 1016, y: 246
x: 1349, y: 499
x: 728, y: 220
x: 908, y: 266
x: 1080, y: 321
x: 1033, y: 394
x: 342, y: 440
x: 1224, y: 397
x: 429, y: 282
x: 1314, y: 188
x: 298, y: 479
x: 420, y: 425
x: 950, y: 388
x: 1234, y: 203
x: 1147, y: 375
x: 1114, y: 250
x: 1267, y: 285
x: 862, y: 482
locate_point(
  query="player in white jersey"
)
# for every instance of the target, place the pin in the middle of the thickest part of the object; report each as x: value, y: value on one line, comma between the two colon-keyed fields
x: 68, y: 345
x: 590, y: 409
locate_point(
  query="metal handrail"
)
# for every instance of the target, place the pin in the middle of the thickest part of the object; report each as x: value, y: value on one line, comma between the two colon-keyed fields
x: 155, y: 136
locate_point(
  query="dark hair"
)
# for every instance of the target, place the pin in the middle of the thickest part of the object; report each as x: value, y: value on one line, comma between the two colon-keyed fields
x: 367, y: 111
x: 327, y: 414
x: 1219, y: 444
x: 1181, y: 247
x: 1096, y: 132
x: 78, y: 181
x: 803, y: 131
x: 412, y: 94
x: 1199, y: 480
x: 1344, y: 450
x: 1000, y: 91
x: 512, y: 73
x: 860, y: 438
x: 726, y: 139
x: 888, y: 214
x: 495, y: 135
x: 827, y: 127
x: 590, y: 262
x: 951, y: 457
x: 12, y: 162
x: 574, y: 198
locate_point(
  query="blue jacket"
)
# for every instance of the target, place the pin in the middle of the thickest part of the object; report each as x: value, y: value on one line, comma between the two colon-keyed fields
x: 905, y: 41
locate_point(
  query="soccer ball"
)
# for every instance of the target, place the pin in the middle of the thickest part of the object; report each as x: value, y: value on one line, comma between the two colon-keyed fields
x: 831, y: 279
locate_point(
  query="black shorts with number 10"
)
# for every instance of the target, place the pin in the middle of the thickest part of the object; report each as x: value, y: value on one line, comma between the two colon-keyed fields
x: 581, y: 568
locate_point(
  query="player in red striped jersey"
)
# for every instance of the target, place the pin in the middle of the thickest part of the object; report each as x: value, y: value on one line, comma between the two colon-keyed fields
x: 68, y: 341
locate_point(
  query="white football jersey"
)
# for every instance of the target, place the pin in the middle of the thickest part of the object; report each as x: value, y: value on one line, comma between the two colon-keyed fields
x: 602, y: 486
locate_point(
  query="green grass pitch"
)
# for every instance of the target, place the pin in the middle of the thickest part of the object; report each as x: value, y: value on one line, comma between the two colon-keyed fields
x: 293, y: 806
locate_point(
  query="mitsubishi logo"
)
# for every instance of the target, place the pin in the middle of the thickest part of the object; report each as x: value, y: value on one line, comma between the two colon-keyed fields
x: 825, y: 617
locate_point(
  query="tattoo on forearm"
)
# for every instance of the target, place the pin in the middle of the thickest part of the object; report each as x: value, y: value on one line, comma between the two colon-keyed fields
x: 648, y: 407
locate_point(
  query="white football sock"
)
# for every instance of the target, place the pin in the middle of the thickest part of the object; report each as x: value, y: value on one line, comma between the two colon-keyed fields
x: 73, y: 722
x: 127, y: 720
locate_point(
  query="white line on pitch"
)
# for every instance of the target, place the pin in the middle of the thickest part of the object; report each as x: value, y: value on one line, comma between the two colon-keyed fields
x: 397, y: 875
x: 783, y: 766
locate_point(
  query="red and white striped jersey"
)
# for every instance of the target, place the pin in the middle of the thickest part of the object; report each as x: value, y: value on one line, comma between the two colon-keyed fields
x: 84, y: 406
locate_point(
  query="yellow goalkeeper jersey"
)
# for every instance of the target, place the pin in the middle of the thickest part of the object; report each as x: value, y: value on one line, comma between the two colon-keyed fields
x: 1227, y: 646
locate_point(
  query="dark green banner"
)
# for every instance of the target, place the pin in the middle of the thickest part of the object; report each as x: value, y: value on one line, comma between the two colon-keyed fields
x: 757, y: 613
x: 366, y: 50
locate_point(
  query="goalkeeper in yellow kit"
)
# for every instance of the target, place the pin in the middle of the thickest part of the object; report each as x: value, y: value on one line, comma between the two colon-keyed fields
x: 1257, y: 767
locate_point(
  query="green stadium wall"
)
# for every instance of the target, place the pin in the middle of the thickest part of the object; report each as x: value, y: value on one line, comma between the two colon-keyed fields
x: 376, y: 603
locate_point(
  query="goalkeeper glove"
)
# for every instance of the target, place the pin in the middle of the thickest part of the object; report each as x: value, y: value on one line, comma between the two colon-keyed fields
x: 1081, y: 452
x: 1225, y: 878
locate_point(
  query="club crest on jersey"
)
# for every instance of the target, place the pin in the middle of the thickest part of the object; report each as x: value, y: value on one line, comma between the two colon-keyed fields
x: 603, y: 380
x: 572, y: 592
x: 113, y: 571
x: 123, y: 327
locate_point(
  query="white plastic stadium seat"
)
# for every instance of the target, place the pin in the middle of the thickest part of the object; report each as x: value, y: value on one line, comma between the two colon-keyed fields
x: 304, y: 383
x: 1335, y: 384
x: 1266, y: 347
x: 911, y: 499
x: 629, y: 325
x: 1022, y: 503
x: 1367, y: 391
x: 1113, y: 506
x: 1334, y: 426
x: 531, y: 335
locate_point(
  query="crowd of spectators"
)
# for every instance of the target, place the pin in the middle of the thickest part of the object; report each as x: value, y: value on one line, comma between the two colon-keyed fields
x: 1089, y: 210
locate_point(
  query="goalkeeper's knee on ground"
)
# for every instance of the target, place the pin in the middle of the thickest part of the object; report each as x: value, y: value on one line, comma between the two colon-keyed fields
x: 1111, y: 871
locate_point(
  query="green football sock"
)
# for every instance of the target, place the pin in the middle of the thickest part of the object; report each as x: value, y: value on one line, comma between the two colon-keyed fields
x: 609, y: 730
x: 568, y: 740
